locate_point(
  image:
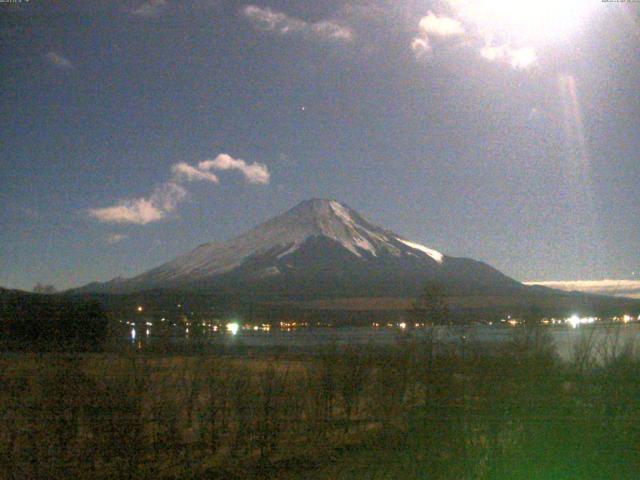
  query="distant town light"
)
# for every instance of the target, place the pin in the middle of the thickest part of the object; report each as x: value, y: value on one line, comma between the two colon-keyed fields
x: 574, y: 321
x: 233, y: 328
x: 139, y: 308
x: 133, y: 334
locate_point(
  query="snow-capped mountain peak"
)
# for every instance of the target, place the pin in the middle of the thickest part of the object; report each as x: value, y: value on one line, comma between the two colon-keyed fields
x: 315, y: 234
x: 290, y: 230
x: 340, y: 223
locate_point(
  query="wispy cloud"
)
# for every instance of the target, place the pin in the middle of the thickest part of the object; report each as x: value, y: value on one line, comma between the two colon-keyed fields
x: 421, y: 46
x: 150, y: 8
x: 139, y: 211
x: 269, y: 20
x: 185, y: 171
x: 167, y: 196
x: 619, y: 288
x: 116, y: 238
x: 518, y: 58
x: 58, y: 60
x: 431, y: 26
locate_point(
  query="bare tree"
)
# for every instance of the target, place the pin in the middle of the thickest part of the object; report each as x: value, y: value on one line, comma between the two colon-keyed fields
x: 352, y: 375
x: 431, y: 307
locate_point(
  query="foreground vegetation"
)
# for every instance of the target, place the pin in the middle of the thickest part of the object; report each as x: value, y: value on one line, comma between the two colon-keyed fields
x: 416, y: 410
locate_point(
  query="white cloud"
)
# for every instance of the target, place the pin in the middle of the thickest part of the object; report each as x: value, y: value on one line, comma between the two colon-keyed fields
x: 140, y: 212
x: 58, y: 60
x: 150, y: 8
x: 619, y: 288
x: 269, y: 20
x: 185, y: 171
x: 469, y: 22
x: 433, y: 25
x: 331, y: 30
x: 421, y: 46
x: 272, y: 21
x: 518, y: 58
x: 440, y: 26
x: 487, y: 24
x: 116, y: 238
x: 254, y: 173
x: 167, y: 196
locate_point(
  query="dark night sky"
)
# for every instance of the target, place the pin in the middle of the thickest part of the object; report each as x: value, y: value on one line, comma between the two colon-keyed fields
x: 516, y: 143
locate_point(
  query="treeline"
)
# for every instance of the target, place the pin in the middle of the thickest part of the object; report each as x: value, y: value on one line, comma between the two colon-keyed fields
x: 50, y: 322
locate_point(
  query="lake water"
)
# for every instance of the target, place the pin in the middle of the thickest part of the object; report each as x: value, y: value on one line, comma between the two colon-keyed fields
x: 604, y: 338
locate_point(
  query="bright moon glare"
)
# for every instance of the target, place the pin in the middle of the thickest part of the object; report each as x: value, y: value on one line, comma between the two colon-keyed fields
x: 533, y: 20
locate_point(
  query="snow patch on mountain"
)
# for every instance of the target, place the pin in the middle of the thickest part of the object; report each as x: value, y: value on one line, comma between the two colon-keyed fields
x: 357, y: 240
x: 294, y: 246
x: 437, y: 256
x: 341, y: 212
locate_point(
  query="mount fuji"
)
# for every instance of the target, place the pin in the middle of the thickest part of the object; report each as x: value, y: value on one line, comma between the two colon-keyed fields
x: 318, y: 249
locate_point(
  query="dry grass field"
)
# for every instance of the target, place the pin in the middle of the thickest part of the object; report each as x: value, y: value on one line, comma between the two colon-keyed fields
x: 412, y: 410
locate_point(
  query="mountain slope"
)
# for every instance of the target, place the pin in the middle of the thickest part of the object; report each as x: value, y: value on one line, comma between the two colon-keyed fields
x: 319, y: 248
